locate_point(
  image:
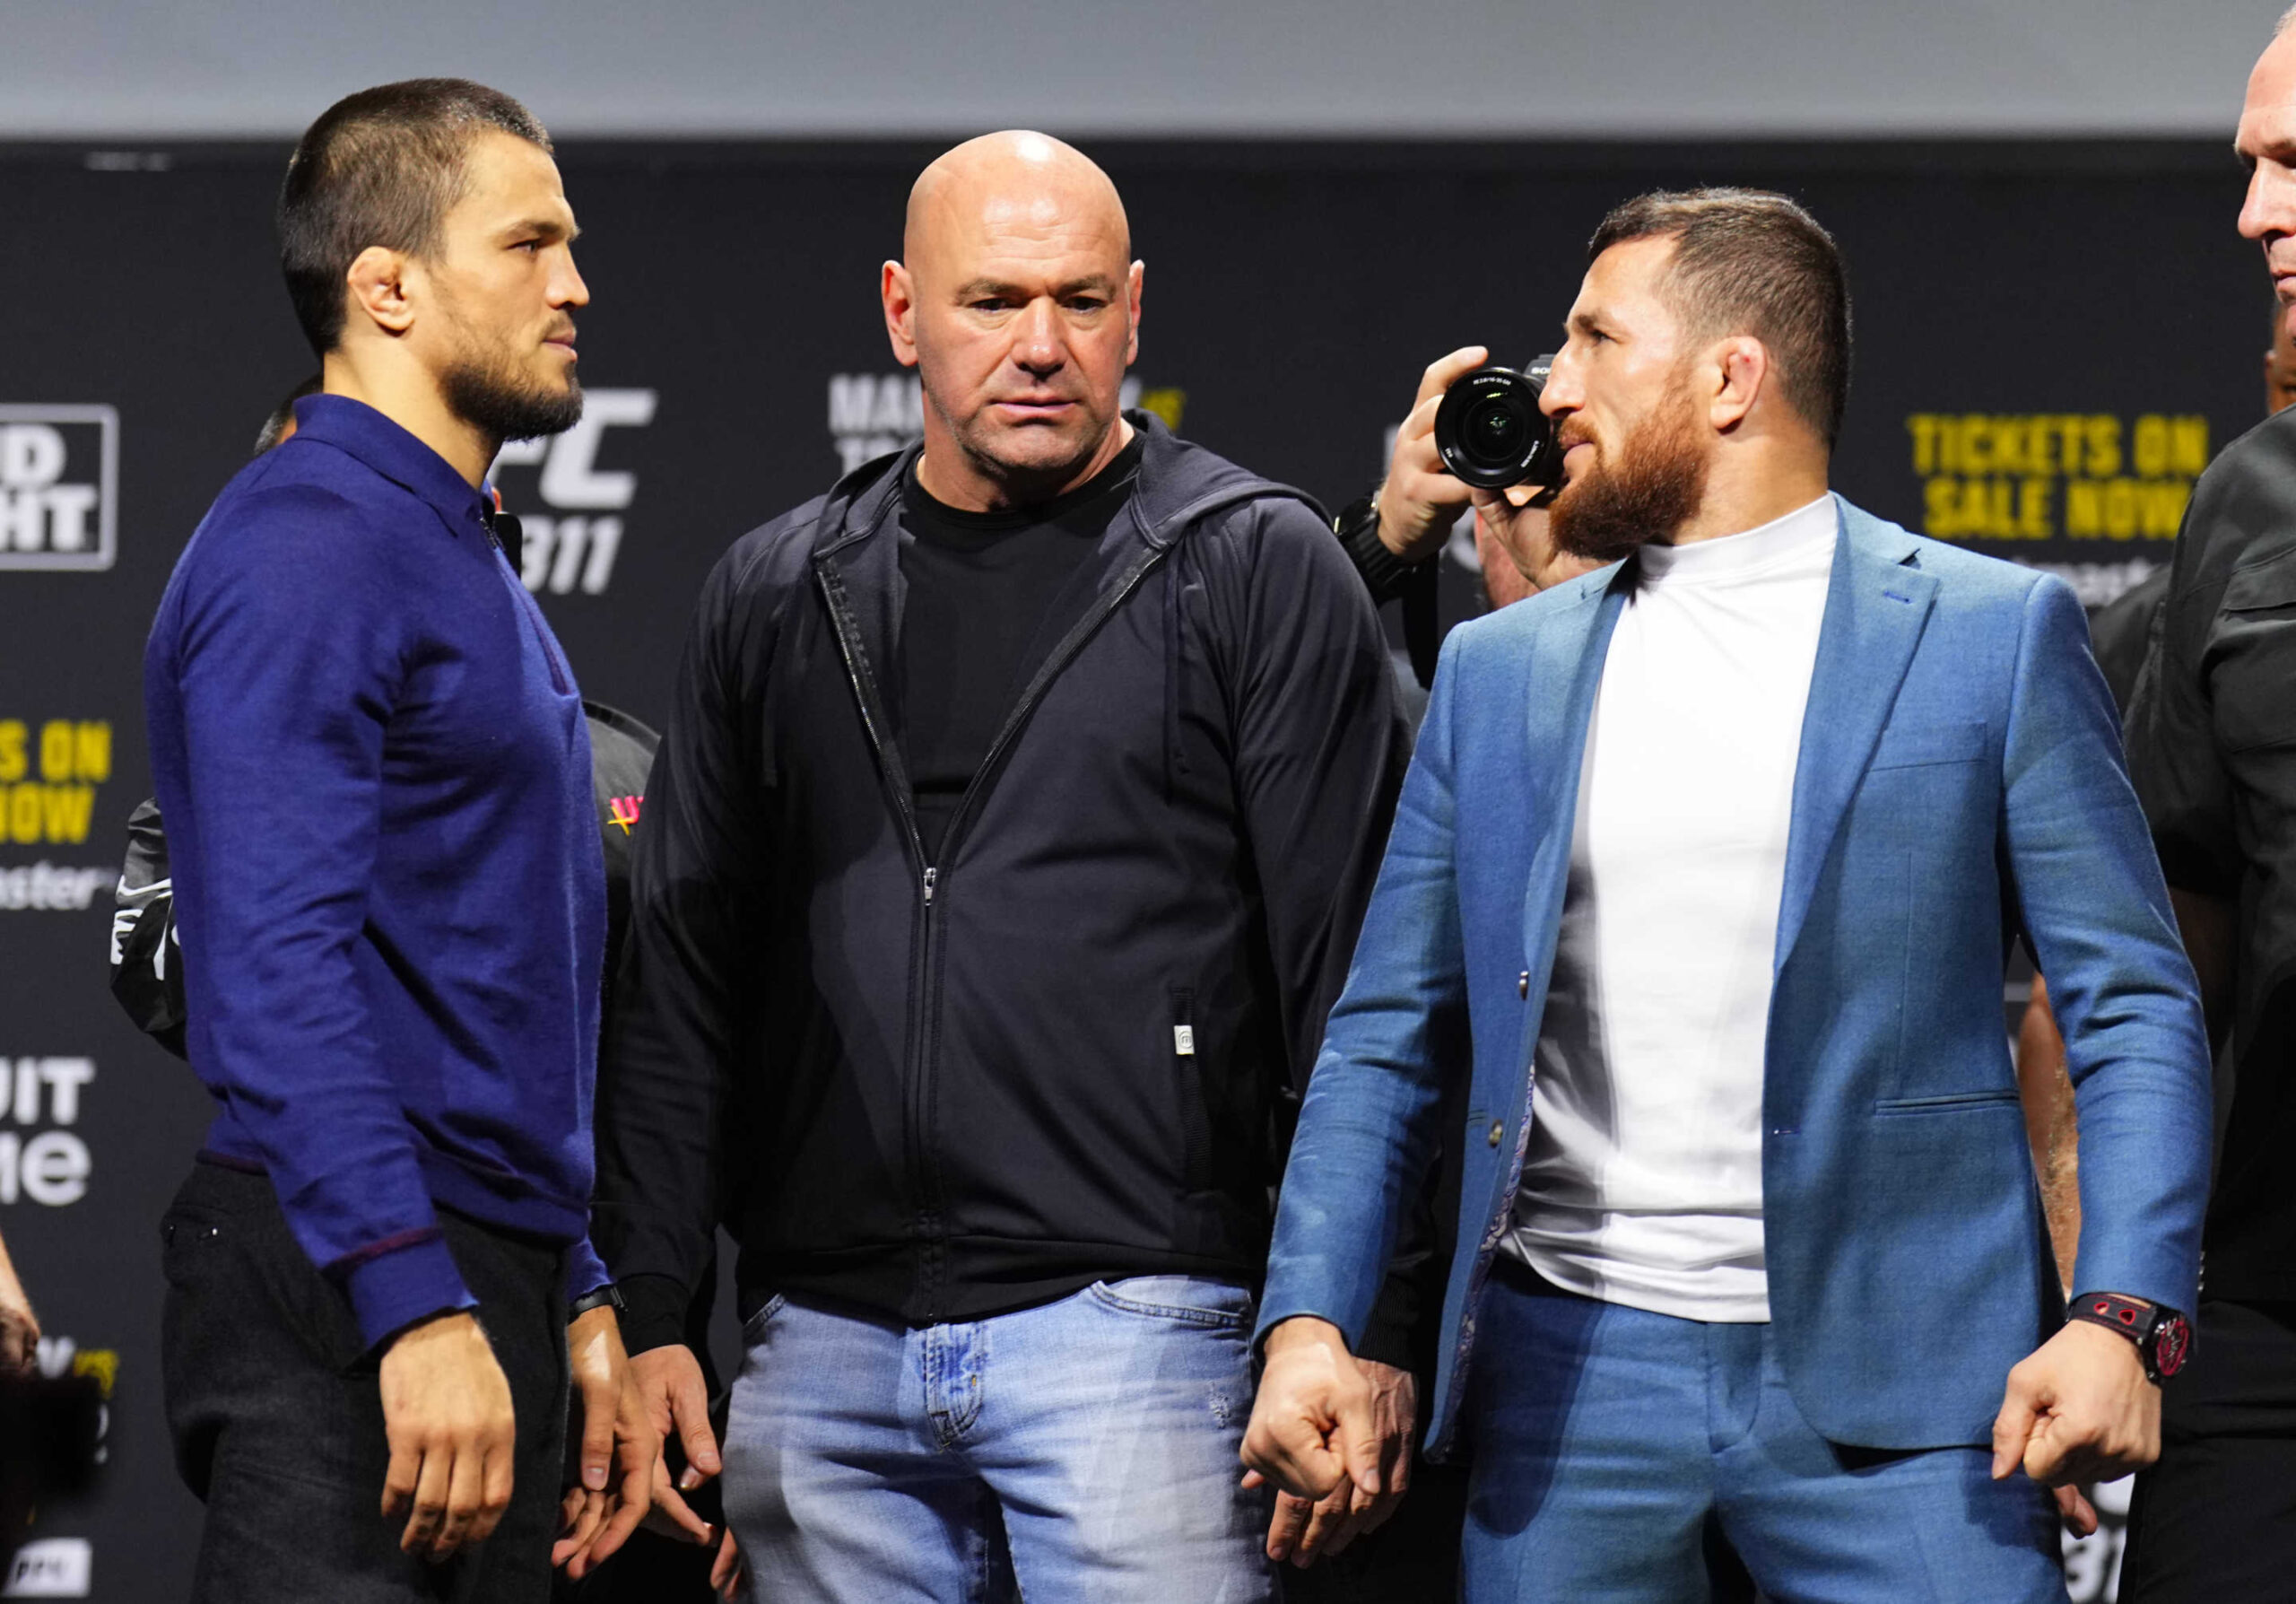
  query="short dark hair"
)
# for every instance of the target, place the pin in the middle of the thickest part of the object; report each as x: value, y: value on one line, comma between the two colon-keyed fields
x: 1749, y: 261
x: 274, y: 427
x: 382, y: 167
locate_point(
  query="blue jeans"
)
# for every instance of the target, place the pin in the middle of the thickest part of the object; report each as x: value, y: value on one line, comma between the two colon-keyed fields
x: 1084, y: 1448
x: 1604, y: 1438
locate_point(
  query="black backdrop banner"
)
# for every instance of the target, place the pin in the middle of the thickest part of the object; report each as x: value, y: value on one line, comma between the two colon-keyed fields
x: 2052, y: 340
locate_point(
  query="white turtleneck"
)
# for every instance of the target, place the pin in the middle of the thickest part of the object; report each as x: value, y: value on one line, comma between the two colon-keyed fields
x: 1642, y: 1183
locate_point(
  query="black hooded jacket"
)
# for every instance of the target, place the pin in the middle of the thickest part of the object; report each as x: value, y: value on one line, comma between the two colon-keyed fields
x: 1067, y: 1052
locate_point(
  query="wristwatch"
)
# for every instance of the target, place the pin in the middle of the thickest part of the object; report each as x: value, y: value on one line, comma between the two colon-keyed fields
x: 1384, y: 573
x: 598, y: 1297
x: 1390, y: 577
x: 2163, y: 1337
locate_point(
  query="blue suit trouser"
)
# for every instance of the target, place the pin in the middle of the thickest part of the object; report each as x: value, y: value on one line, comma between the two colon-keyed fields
x: 1604, y: 1440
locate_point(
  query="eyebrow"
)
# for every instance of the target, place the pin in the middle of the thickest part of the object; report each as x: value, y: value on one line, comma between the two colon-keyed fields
x: 1584, y: 323
x: 989, y: 286
x: 545, y: 228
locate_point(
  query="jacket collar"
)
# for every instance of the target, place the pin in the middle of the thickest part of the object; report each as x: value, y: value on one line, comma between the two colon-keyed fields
x: 366, y: 435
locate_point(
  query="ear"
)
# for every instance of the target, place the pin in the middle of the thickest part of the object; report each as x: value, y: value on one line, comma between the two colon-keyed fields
x: 900, y: 295
x: 1131, y: 294
x: 378, y: 284
x: 1741, y: 368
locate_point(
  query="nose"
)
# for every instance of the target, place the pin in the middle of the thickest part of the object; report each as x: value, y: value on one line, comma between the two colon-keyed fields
x: 1563, y: 394
x: 1037, y: 344
x: 566, y: 285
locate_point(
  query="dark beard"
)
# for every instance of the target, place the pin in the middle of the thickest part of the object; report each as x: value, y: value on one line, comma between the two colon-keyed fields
x: 494, y: 400
x: 1658, y: 483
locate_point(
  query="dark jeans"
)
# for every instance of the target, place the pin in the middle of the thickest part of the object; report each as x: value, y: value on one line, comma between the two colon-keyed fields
x: 278, y: 1421
x: 2216, y: 1520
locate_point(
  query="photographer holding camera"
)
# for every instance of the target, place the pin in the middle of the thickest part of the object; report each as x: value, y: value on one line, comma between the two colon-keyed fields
x: 1404, y: 523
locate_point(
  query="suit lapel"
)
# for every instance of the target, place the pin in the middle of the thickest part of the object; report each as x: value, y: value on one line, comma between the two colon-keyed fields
x: 1877, y: 604
x: 1569, y: 653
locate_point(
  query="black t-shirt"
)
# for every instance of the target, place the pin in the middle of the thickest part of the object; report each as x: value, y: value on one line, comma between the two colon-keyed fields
x: 990, y: 593
x: 2211, y: 750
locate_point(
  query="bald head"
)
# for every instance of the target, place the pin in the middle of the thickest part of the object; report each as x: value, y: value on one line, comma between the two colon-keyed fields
x: 1019, y: 303
x: 1013, y: 178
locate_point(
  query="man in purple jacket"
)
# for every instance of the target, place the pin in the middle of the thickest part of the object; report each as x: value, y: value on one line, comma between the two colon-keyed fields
x: 375, y: 774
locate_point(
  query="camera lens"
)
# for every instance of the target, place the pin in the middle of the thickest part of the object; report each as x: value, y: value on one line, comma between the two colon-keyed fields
x: 1490, y: 432
x: 1495, y: 431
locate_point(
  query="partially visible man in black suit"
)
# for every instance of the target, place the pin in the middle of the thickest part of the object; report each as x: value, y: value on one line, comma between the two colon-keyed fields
x: 2211, y: 748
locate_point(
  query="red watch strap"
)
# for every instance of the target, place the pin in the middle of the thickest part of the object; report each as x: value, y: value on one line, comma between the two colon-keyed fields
x: 2163, y: 1336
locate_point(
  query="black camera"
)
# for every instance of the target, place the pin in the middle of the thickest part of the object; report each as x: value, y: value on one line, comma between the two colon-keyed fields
x: 1491, y: 432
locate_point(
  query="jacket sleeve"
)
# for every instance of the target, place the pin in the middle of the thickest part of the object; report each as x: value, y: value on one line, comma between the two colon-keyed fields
x: 288, y: 669
x: 2180, y: 777
x: 1368, y: 1128
x: 666, y: 1064
x: 1321, y: 750
x: 2097, y: 912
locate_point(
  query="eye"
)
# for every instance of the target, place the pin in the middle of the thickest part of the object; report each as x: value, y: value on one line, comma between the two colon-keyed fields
x: 1085, y: 303
x: 531, y: 247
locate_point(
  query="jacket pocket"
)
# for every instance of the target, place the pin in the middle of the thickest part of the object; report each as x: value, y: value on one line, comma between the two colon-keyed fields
x: 2254, y: 639
x: 1946, y: 1102
x: 1918, y: 746
x: 1192, y: 1093
x: 2262, y: 585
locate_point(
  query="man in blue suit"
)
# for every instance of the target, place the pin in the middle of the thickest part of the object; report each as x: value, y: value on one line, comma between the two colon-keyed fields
x: 1704, y: 872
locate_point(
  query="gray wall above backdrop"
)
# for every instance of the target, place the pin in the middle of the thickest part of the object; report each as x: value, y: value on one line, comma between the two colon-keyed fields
x: 1340, y: 68
x: 2052, y: 339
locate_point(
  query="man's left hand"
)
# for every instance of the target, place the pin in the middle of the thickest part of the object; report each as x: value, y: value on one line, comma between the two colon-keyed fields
x: 1303, y: 1532
x: 615, y: 1474
x: 2078, y: 1409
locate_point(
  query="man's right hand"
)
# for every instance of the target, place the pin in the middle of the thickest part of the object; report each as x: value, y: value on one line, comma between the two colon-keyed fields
x: 1313, y: 1424
x: 1420, y: 500
x: 448, y: 1416
x: 669, y: 1381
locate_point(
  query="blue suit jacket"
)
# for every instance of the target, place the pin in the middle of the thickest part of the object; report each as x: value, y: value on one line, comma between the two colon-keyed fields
x: 1960, y: 773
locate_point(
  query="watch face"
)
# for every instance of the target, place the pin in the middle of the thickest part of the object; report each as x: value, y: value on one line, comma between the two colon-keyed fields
x: 2172, y: 1345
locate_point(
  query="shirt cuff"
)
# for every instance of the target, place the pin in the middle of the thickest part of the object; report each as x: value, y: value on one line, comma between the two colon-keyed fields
x: 653, y: 1312
x: 585, y: 1272
x: 408, y: 1281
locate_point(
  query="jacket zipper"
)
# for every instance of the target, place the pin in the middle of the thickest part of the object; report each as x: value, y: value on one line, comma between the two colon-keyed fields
x: 923, y: 1178
x: 892, y: 772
